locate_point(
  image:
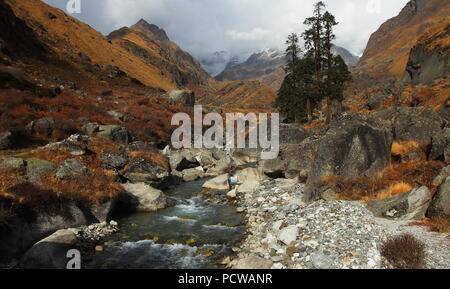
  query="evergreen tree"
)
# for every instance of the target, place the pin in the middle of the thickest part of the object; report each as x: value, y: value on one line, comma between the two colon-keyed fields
x: 329, y: 22
x: 318, y: 75
x: 293, y: 51
x: 338, y: 78
x: 314, y: 45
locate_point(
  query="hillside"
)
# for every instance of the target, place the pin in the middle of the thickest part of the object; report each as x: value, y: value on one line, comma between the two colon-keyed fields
x: 267, y: 66
x: 45, y: 48
x: 87, y: 160
x: 151, y: 44
x: 247, y: 95
x: 256, y: 66
x: 388, y: 48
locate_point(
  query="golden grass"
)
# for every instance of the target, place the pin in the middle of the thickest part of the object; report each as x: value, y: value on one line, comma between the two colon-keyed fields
x: 397, y: 179
x: 394, y: 189
x: 152, y: 157
x: 439, y: 225
x: 404, y: 148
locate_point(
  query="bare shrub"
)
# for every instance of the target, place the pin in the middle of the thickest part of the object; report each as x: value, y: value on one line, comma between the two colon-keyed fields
x: 404, y: 251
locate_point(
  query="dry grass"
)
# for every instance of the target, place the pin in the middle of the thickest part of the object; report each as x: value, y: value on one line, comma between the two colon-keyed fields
x: 404, y: 148
x: 404, y: 251
x: 395, y: 189
x: 397, y: 179
x: 152, y: 157
x: 440, y: 225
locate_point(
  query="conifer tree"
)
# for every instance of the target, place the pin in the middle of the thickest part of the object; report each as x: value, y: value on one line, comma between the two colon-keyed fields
x: 314, y: 45
x: 329, y: 22
x: 318, y: 75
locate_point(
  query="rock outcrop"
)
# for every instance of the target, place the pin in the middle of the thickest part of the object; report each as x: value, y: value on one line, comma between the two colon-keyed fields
x: 429, y: 58
x: 141, y: 197
x: 220, y: 183
x: 440, y: 206
x: 179, y: 96
x: 410, y: 206
x: 51, y: 252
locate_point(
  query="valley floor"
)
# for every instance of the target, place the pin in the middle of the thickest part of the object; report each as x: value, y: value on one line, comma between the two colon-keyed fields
x: 285, y: 233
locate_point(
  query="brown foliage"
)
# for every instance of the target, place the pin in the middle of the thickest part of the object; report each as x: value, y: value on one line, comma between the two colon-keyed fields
x: 440, y: 225
x: 397, y: 179
x: 404, y: 251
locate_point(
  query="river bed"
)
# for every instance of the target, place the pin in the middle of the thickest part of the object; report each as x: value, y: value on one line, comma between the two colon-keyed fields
x: 196, y: 233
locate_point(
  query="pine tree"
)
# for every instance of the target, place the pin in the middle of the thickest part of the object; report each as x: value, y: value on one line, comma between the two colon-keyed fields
x: 329, y: 22
x: 288, y: 93
x: 318, y: 75
x: 293, y: 51
x: 339, y: 77
x: 314, y: 45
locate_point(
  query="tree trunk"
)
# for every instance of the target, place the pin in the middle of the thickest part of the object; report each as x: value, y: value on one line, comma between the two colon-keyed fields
x: 309, y: 110
x: 329, y: 110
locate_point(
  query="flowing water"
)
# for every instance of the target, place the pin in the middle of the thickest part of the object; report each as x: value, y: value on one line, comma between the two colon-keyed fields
x: 196, y: 233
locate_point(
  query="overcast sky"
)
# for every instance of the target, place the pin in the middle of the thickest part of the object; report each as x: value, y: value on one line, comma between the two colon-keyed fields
x: 240, y: 27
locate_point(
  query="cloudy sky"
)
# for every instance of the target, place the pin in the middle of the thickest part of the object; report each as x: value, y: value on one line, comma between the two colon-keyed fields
x: 239, y: 27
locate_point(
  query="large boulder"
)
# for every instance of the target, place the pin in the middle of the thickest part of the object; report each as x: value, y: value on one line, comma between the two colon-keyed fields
x: 43, y: 126
x: 180, y: 160
x: 114, y: 161
x: 139, y: 170
x: 90, y: 128
x: 440, y: 206
x: 440, y: 145
x: 224, y: 165
x: 37, y: 167
x: 292, y: 134
x: 221, y: 183
x: 6, y: 140
x: 251, y: 174
x: 409, y: 206
x: 249, y: 180
x: 103, y: 212
x: 75, y: 145
x: 352, y: 147
x: 193, y: 174
x: 247, y: 155
x: 70, y: 169
x: 21, y: 232
x: 441, y: 177
x: 12, y: 163
x: 294, y: 160
x: 115, y: 133
x: 142, y: 197
x: 412, y: 123
x: 427, y: 61
x: 51, y: 252
x: 181, y: 96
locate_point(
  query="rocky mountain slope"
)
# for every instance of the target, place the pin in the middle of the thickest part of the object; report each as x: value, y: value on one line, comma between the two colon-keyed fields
x: 73, y: 41
x: 267, y: 66
x: 241, y: 95
x: 430, y: 57
x: 256, y: 66
x: 388, y: 49
x: 85, y: 124
x: 151, y: 44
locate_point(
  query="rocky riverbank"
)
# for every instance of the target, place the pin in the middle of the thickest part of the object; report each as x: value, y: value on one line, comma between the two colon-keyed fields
x: 285, y: 233
x: 50, y: 252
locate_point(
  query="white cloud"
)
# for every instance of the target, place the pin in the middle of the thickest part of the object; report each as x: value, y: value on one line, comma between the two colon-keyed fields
x: 239, y: 26
x: 256, y: 33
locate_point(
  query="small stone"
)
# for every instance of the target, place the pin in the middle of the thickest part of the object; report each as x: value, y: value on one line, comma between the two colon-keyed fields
x: 288, y: 235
